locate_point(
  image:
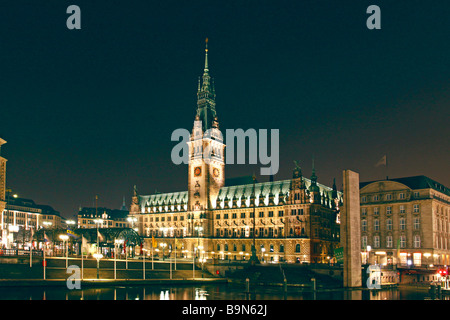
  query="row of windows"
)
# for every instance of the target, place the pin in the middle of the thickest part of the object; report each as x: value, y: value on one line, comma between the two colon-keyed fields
x: 387, y: 197
x: 402, y: 209
x: 106, y: 223
x: 243, y: 215
x: 389, y: 224
x: 235, y: 233
x: 401, y: 242
x: 163, y: 219
x: 243, y: 248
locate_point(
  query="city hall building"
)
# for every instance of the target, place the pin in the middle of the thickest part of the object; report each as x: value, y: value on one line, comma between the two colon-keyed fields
x: 294, y: 220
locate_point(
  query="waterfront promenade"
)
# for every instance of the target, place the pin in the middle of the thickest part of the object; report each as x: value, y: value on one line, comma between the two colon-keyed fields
x: 16, y: 271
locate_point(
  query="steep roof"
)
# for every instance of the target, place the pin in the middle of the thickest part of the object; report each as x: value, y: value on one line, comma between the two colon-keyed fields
x: 236, y: 190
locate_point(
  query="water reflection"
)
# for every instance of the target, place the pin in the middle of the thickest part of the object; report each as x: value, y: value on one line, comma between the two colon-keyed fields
x: 206, y: 292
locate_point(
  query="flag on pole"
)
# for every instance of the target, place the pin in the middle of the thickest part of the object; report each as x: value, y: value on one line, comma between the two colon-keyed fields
x: 72, y: 234
x: 100, y: 236
x: 46, y: 239
x: 83, y: 244
x: 382, y: 162
x: 31, y: 237
x: 154, y: 243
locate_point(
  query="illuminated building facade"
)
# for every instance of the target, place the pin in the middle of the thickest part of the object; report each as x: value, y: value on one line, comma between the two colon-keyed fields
x: 405, y: 221
x: 293, y: 220
x: 107, y: 218
x: 20, y: 216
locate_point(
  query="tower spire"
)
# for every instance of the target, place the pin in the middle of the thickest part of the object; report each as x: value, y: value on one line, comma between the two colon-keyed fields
x: 206, y: 56
x: 206, y: 96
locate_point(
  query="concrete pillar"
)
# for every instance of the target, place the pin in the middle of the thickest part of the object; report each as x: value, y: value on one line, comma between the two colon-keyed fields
x: 351, y: 230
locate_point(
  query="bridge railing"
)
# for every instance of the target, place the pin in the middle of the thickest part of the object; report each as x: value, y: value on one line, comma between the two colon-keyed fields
x: 19, y: 252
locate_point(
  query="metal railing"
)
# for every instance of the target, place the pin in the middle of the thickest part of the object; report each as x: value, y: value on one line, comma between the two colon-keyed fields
x: 19, y: 252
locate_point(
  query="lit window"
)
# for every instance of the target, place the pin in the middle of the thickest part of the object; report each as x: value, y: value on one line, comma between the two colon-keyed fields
x: 376, y: 241
x: 402, y: 223
x: 416, y: 224
x: 389, y: 241
x: 416, y: 241
x: 376, y: 225
x: 389, y: 224
x: 402, y: 242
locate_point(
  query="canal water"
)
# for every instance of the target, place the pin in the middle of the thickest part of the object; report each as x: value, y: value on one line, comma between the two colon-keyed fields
x: 206, y: 292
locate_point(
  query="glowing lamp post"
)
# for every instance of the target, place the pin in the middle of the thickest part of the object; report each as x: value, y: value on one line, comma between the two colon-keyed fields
x: 98, y: 256
x: 64, y: 238
x: 163, y: 246
x: 132, y: 220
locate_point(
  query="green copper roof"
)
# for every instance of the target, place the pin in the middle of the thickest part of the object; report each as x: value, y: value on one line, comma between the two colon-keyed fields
x: 241, y: 193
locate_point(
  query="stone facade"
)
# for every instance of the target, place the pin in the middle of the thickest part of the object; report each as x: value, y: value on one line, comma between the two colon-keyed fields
x: 405, y: 221
x: 293, y: 220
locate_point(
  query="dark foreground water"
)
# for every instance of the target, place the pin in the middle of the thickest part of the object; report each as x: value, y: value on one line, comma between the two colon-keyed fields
x: 205, y: 292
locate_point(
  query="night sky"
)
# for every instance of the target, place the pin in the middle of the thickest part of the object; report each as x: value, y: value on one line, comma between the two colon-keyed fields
x: 92, y: 111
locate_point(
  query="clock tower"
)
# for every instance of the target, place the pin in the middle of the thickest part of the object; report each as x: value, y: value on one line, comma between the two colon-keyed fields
x: 206, y: 149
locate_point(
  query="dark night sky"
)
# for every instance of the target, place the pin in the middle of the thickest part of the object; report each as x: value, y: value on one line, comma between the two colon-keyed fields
x: 91, y: 111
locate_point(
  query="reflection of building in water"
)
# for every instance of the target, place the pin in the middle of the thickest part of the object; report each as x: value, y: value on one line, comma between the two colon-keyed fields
x: 164, y: 295
x: 291, y: 220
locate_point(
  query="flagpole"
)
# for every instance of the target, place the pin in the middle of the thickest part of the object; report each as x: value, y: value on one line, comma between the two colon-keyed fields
x: 175, y: 253
x: 31, y: 247
x: 82, y: 261
x: 387, y: 171
x: 193, y: 263
x: 115, y: 259
x: 45, y: 262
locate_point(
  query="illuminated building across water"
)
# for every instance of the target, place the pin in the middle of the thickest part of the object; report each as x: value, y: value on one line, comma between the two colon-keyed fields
x: 293, y: 220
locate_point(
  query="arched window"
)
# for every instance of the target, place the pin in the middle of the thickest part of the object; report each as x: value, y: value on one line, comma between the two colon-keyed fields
x: 218, y: 247
x: 297, y: 248
x: 281, y: 248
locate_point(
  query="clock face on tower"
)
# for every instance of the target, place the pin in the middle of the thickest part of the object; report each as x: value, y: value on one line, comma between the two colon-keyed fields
x: 197, y: 171
x: 216, y: 172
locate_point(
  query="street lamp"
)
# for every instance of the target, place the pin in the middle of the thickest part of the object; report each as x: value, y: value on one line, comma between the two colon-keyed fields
x: 64, y: 238
x: 199, y: 230
x: 98, y: 256
x: 163, y: 246
x: 97, y: 222
x: 368, y: 254
x: 70, y: 222
x: 132, y: 220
